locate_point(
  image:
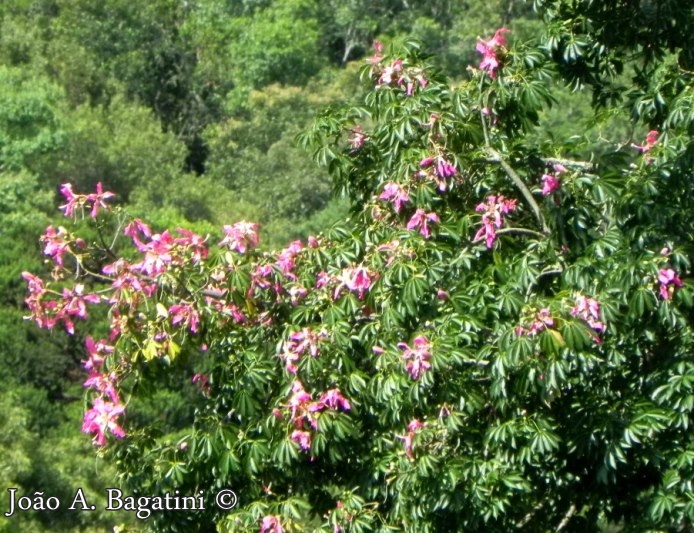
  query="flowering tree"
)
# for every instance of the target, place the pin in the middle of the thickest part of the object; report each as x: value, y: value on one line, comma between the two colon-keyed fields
x: 500, y: 338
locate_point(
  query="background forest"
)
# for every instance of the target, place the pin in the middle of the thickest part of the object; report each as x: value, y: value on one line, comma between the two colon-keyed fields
x: 189, y: 111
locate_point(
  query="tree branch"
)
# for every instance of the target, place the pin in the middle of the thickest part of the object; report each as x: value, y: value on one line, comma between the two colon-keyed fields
x: 565, y: 521
x: 528, y: 517
x: 520, y: 231
x: 518, y: 182
x: 583, y: 165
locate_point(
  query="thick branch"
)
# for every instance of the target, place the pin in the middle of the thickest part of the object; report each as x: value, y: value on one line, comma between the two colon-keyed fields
x: 518, y: 182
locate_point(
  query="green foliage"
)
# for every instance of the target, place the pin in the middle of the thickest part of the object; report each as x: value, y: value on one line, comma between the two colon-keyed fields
x: 278, y: 44
x: 30, y: 118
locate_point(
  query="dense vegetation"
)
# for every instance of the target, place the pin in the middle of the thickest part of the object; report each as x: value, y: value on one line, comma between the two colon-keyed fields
x: 504, y: 322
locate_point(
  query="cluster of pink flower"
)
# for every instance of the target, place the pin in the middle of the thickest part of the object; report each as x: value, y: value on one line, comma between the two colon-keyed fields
x: 395, y: 72
x: 300, y: 342
x: 203, y: 382
x: 396, y: 194
x: 185, y: 315
x: 668, y: 280
x: 588, y: 309
x: 240, y: 236
x: 438, y: 169
x: 490, y: 49
x: 163, y: 250
x: 420, y: 220
x: 357, y: 139
x: 128, y: 286
x: 92, y: 201
x: 492, y: 217
x: 107, y: 407
x: 271, y: 524
x: 417, y: 358
x: 550, y: 182
x: 286, y: 261
x: 56, y: 244
x: 356, y: 279
x: 651, y: 141
x: 412, y: 428
x: 303, y: 411
x: 542, y: 320
x: 70, y: 303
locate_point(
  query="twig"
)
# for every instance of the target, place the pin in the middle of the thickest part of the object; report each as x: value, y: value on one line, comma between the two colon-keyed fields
x: 96, y: 275
x: 528, y: 517
x: 522, y: 231
x: 518, y: 182
x: 583, y: 165
x: 565, y: 521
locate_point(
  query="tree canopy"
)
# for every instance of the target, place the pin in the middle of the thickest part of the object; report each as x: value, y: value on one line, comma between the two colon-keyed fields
x: 499, y: 337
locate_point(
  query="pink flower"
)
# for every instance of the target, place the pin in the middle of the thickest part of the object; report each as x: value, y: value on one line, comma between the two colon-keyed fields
x: 396, y: 194
x: 492, y: 217
x: 104, y: 384
x: 102, y: 418
x: 356, y: 280
x: 203, y: 382
x: 651, y: 141
x: 285, y: 260
x: 72, y: 200
x: 416, y: 358
x: 323, y: 279
x: 444, y: 169
x: 378, y: 54
x: 271, y: 524
x: 667, y: 277
x: 334, y: 399
x: 194, y: 243
x: 542, y: 320
x: 296, y: 294
x: 549, y: 184
x: 300, y: 403
x: 588, y: 309
x: 303, y: 438
x: 421, y: 220
x: 97, y: 352
x: 136, y: 229
x: 185, y: 315
x: 56, y: 244
x: 427, y: 161
x: 260, y: 275
x: 97, y: 199
x: 241, y: 236
x: 489, y: 49
x: 357, y: 139
x: 412, y: 428
x: 440, y: 172
x: 389, y: 73
x: 299, y: 343
x: 75, y: 305
x: 158, y: 255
